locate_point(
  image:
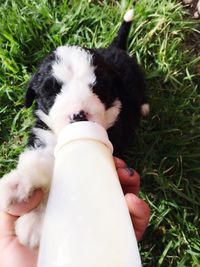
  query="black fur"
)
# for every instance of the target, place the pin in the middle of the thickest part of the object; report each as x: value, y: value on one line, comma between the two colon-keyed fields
x: 43, y: 87
x: 130, y: 87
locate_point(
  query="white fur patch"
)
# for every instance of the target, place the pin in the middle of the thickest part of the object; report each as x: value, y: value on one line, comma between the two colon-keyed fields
x: 196, y: 15
x: 46, y: 136
x: 8, y: 189
x: 28, y: 227
x: 35, y: 168
x: 73, y: 63
x: 112, y: 114
x: 145, y: 109
x: 129, y: 15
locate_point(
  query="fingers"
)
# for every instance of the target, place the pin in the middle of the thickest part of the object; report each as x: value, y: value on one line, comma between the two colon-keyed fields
x: 140, y: 214
x: 18, y: 209
x: 129, y: 178
x: 8, y: 218
x: 7, y: 224
x: 139, y: 210
x: 119, y: 163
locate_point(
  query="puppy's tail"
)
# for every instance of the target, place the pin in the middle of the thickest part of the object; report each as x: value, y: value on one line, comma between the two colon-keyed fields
x: 120, y: 41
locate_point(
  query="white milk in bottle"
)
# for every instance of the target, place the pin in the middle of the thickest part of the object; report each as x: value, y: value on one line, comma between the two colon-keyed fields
x: 87, y: 222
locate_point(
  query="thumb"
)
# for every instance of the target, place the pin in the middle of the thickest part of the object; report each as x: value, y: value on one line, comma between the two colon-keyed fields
x: 18, y: 209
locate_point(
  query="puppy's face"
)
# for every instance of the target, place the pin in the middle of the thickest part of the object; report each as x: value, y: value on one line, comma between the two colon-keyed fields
x: 74, y: 84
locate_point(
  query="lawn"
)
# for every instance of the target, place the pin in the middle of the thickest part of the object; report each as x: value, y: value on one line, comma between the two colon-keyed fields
x: 166, y: 148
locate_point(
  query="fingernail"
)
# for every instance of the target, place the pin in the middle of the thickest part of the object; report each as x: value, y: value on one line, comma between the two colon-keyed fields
x: 130, y: 171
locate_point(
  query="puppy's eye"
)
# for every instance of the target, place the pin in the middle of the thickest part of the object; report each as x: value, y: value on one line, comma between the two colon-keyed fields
x: 51, y: 86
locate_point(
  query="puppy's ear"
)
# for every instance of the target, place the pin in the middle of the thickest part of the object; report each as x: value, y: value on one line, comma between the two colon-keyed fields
x: 36, y: 82
x: 30, y: 93
x: 29, y: 97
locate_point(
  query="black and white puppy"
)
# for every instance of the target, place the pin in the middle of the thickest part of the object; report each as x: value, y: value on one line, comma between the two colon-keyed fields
x: 73, y: 84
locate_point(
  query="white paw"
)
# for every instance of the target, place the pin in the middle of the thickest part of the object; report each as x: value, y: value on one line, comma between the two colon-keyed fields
x: 28, y: 228
x: 13, y: 190
x: 145, y: 109
x: 34, y: 170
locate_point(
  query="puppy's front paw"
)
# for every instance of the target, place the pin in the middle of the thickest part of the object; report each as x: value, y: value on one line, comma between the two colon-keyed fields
x: 28, y: 228
x: 13, y: 189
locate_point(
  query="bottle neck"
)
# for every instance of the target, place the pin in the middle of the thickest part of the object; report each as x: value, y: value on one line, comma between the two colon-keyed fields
x: 83, y: 130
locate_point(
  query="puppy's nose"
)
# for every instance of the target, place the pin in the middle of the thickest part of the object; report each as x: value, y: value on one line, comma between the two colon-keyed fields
x: 81, y: 116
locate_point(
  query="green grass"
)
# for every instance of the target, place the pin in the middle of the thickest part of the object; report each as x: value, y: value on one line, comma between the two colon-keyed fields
x: 166, y: 150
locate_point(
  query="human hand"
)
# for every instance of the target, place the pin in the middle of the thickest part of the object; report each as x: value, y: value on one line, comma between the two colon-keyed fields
x: 139, y: 210
x: 13, y: 254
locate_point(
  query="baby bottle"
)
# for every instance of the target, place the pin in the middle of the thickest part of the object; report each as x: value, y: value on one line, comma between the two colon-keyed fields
x: 87, y: 222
